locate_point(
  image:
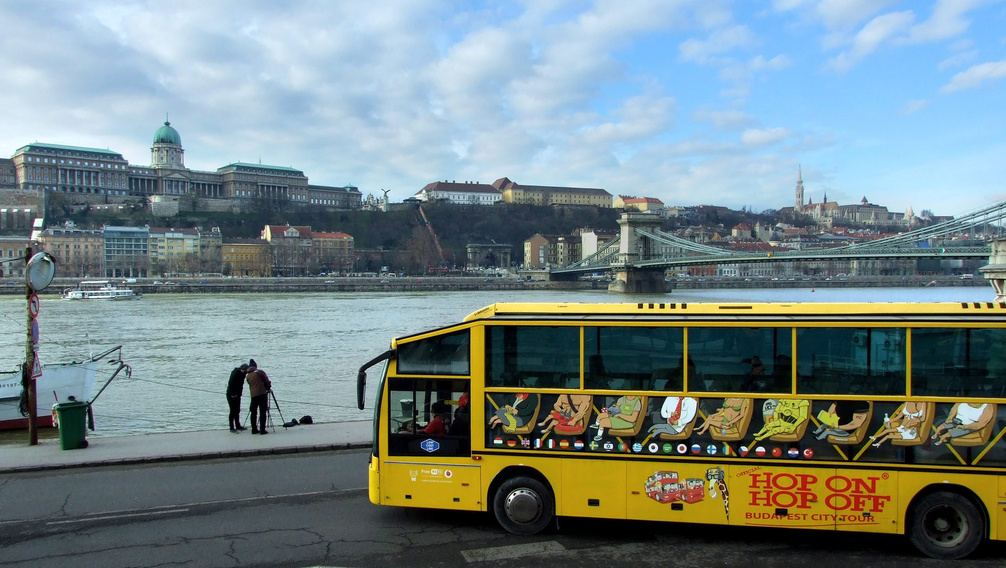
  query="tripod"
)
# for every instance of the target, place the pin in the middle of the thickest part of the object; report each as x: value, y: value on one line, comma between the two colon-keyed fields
x: 268, y: 413
x: 276, y: 402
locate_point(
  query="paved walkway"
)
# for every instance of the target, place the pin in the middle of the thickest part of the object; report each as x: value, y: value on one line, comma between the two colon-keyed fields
x: 177, y: 446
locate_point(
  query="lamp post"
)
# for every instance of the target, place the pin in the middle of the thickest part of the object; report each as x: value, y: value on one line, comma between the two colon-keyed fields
x: 38, y: 274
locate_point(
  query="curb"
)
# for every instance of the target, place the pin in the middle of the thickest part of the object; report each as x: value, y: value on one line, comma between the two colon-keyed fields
x: 190, y: 457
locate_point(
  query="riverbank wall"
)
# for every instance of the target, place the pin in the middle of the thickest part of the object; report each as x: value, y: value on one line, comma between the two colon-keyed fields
x: 455, y: 284
x: 275, y: 285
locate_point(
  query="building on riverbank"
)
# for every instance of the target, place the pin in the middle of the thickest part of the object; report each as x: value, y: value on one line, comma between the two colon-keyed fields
x: 12, y: 263
x: 246, y: 258
x: 299, y: 251
x: 74, y: 177
x: 78, y: 253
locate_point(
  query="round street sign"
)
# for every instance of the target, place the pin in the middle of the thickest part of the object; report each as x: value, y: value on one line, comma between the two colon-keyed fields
x: 34, y: 331
x: 33, y: 305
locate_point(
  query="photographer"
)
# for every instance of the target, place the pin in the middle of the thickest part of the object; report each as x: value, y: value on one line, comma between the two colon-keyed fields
x: 258, y: 387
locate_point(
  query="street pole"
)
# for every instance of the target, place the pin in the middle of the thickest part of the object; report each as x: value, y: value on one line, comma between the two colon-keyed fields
x: 27, y: 381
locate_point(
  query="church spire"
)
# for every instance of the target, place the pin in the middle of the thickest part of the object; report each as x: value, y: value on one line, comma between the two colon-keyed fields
x: 799, y: 188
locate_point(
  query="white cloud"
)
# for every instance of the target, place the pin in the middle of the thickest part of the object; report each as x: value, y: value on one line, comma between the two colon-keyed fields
x: 720, y: 41
x: 607, y: 94
x: 958, y: 60
x: 761, y: 137
x: 914, y: 106
x: 849, y: 13
x: 975, y: 76
x: 725, y: 119
x: 786, y: 5
x: 777, y: 63
x: 641, y: 118
x: 739, y: 75
x: 947, y: 21
x: 878, y: 31
x: 894, y: 28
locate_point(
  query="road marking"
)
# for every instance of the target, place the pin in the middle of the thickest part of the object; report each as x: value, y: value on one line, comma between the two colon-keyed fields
x: 512, y: 551
x: 122, y: 516
x: 183, y: 507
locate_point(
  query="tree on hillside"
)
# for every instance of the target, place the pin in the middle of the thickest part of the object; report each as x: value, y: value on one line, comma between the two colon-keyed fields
x: 422, y: 253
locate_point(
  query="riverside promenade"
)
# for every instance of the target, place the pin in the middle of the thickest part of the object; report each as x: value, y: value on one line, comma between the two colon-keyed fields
x: 182, y: 446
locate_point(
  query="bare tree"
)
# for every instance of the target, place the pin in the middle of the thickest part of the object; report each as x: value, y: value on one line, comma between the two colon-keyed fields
x: 422, y: 251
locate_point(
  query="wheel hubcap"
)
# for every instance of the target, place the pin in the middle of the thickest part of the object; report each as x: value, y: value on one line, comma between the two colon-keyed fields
x: 523, y: 506
x: 946, y: 526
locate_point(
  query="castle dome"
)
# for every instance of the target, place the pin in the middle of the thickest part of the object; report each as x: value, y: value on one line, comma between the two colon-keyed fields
x: 167, y: 135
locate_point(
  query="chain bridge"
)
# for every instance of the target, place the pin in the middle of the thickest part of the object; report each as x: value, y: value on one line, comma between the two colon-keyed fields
x: 641, y: 254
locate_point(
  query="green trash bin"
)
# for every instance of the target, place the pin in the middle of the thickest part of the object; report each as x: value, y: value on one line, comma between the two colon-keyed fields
x: 72, y: 416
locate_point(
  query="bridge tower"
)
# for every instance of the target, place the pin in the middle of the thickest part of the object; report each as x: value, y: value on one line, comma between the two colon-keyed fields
x: 995, y: 270
x: 634, y: 248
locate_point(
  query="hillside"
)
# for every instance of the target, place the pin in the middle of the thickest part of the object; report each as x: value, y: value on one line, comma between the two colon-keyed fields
x: 399, y: 230
x: 459, y: 225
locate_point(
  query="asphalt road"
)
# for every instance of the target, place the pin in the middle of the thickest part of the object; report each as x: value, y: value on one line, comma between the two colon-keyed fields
x: 302, y: 510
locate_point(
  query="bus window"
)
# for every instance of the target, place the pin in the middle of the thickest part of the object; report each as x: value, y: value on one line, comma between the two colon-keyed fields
x: 441, y: 355
x: 740, y: 359
x: 633, y: 358
x: 958, y: 362
x: 850, y: 360
x: 533, y: 356
x: 424, y: 409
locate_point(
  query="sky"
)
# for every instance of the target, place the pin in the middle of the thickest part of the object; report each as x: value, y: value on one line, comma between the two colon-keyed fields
x: 703, y: 102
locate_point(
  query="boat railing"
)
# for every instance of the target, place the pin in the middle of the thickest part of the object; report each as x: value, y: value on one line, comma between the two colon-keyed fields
x: 122, y: 365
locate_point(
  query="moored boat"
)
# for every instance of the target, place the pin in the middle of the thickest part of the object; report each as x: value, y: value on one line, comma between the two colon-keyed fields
x: 58, y: 383
x: 99, y: 290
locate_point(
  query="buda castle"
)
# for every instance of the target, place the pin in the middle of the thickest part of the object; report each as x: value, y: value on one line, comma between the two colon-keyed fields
x: 40, y: 175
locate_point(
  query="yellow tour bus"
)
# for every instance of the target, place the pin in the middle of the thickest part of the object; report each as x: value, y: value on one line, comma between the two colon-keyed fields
x: 871, y: 417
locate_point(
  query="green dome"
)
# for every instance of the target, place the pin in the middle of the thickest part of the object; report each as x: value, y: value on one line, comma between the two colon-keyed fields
x: 167, y: 135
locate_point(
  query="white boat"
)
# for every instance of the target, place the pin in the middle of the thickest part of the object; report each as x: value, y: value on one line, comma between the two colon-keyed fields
x: 58, y: 383
x: 99, y: 290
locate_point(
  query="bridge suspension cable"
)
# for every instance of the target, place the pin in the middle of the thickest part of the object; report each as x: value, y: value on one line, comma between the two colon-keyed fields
x: 983, y: 218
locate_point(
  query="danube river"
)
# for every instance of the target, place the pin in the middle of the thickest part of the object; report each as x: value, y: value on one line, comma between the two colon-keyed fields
x: 182, y: 347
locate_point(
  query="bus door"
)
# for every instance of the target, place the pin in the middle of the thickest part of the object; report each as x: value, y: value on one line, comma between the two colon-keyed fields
x: 864, y: 500
x: 428, y: 461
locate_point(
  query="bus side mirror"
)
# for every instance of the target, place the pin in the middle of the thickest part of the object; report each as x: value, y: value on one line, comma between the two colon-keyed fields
x: 361, y: 377
x: 361, y: 388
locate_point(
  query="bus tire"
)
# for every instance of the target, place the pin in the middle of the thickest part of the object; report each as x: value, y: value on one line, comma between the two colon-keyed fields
x: 946, y: 525
x: 523, y: 505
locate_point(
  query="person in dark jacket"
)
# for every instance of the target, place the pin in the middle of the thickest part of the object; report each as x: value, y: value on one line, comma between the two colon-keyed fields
x: 258, y: 387
x: 235, y: 386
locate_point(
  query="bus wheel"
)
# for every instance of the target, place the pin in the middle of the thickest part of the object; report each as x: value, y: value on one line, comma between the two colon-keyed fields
x: 523, y: 505
x: 946, y: 525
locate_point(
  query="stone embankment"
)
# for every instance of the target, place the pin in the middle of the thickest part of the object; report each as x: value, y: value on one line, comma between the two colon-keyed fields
x: 218, y: 285
x: 693, y: 283
x: 339, y: 284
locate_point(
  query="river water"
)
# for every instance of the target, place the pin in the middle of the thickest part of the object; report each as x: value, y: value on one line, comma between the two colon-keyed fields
x: 182, y: 347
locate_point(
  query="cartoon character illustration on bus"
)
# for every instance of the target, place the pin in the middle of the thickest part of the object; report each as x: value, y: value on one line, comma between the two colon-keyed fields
x: 785, y: 420
x: 904, y: 427
x: 516, y: 416
x: 624, y: 418
x: 845, y: 421
x: 569, y: 415
x: 729, y: 422
x: 968, y: 424
x: 717, y: 479
x: 666, y: 487
x: 679, y: 415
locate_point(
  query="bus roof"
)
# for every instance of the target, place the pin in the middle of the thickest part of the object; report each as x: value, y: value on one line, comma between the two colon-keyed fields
x: 671, y: 309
